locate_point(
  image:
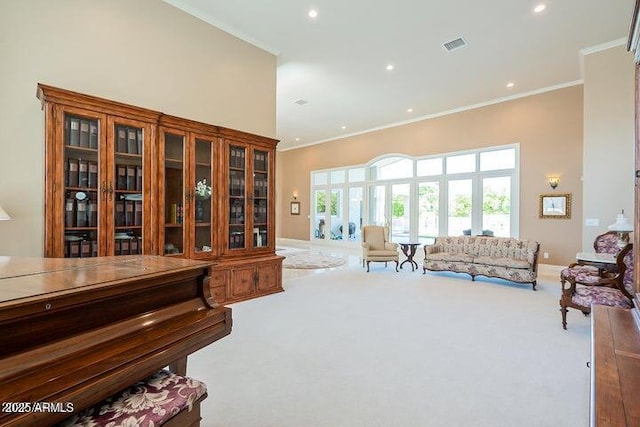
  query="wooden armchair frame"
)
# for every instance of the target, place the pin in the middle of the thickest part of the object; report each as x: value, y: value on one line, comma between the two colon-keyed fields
x: 614, y: 280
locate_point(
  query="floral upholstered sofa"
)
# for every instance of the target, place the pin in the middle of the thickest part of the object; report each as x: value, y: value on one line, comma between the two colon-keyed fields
x: 503, y: 257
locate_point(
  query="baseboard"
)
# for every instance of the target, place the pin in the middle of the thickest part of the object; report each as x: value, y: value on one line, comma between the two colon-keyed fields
x: 295, y: 243
x: 550, y: 268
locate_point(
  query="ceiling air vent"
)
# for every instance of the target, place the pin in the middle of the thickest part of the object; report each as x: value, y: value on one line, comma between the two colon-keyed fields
x: 301, y: 102
x: 455, y: 44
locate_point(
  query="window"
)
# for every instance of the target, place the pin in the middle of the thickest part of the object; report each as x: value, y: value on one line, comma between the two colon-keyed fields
x: 429, y: 167
x: 463, y: 193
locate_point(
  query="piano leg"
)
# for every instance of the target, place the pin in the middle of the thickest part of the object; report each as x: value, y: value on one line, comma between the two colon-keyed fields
x: 179, y: 366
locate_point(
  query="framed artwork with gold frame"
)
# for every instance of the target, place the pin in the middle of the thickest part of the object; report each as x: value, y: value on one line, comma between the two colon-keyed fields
x: 555, y: 206
x: 295, y: 208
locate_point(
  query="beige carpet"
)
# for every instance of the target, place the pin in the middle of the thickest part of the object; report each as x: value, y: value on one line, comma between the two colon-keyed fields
x: 350, y: 348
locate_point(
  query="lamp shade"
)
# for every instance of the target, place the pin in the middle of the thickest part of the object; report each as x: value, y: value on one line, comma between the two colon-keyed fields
x: 622, y: 224
x: 4, y: 215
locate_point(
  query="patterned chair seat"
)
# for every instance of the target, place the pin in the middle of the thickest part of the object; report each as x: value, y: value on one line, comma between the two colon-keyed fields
x: 589, y: 295
x: 581, y: 274
x: 148, y: 403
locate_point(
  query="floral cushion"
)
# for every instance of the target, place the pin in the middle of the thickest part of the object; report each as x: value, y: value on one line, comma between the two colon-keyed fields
x: 599, y: 295
x: 450, y: 257
x: 581, y: 274
x: 148, y: 403
x: 502, y: 262
x: 607, y: 243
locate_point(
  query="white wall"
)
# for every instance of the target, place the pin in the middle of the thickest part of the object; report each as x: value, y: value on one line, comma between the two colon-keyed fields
x: 140, y: 52
x: 608, y: 153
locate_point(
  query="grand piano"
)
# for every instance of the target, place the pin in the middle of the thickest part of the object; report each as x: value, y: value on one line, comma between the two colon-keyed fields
x: 75, y: 331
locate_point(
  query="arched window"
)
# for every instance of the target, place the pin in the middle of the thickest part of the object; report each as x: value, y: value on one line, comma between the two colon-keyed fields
x: 470, y: 192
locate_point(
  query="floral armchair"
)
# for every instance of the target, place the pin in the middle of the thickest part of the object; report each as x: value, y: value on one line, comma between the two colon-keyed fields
x: 584, y: 274
x: 608, y: 288
x: 376, y: 246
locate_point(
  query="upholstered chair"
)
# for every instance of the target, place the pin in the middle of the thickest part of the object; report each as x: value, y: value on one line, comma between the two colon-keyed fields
x: 376, y: 246
x: 612, y: 289
x: 584, y: 274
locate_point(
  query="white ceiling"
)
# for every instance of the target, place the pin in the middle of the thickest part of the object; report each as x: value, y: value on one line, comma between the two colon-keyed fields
x: 336, y: 62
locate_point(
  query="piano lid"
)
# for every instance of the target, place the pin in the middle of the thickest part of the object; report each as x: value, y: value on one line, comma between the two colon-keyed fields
x: 40, y: 277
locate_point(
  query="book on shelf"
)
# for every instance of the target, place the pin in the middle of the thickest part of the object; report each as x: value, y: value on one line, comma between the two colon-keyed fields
x: 74, y: 131
x: 121, y: 180
x: 176, y: 213
x: 132, y: 141
x: 67, y: 141
x: 74, y: 249
x: 69, y: 213
x: 138, y: 212
x: 81, y: 213
x: 93, y: 174
x: 173, y: 213
x: 119, y: 217
x: 84, y: 133
x: 121, y: 142
x: 133, y: 246
x: 117, y: 247
x: 131, y: 177
x: 83, y: 173
x: 139, y: 141
x: 92, y: 211
x: 138, y: 178
x: 73, y: 172
x: 125, y: 246
x: 85, y: 249
x: 93, y: 134
x: 94, y: 248
x: 129, y: 216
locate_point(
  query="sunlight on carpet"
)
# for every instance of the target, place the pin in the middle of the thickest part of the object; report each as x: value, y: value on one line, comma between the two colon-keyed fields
x: 306, y: 260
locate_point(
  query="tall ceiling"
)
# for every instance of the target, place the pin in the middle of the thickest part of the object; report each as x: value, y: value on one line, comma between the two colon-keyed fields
x: 336, y: 63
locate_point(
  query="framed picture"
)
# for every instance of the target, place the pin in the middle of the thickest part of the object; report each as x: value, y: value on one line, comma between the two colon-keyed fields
x: 295, y: 208
x: 555, y: 206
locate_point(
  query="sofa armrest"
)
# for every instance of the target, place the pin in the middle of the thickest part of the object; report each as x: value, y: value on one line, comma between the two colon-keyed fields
x: 366, y: 246
x: 391, y: 246
x: 431, y: 249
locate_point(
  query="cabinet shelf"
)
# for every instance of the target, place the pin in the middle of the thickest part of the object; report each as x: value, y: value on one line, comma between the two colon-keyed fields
x: 77, y: 149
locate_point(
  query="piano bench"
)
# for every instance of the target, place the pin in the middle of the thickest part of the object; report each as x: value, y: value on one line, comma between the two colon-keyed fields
x: 164, y: 399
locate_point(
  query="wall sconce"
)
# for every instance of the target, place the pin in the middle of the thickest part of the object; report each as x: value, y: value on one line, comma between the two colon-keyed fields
x: 623, y: 227
x: 295, y: 195
x: 4, y: 215
x: 554, y: 181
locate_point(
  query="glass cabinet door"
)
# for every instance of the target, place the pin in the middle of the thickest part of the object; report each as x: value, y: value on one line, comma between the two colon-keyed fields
x: 81, y: 184
x: 126, y: 189
x: 173, y: 193
x: 203, y: 202
x: 237, y: 197
x: 260, y: 198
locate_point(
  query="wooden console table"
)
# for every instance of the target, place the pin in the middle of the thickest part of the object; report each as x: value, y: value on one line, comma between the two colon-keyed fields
x: 615, y: 367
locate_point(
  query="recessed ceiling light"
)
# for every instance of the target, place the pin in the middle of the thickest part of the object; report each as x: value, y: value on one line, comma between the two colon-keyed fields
x: 410, y: 110
x: 297, y: 139
x: 313, y: 14
x: 539, y: 8
x: 510, y: 85
x: 344, y: 127
x: 389, y: 67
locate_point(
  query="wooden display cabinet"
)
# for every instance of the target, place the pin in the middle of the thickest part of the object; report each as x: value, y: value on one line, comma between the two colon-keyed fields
x: 98, y: 180
x: 188, y: 154
x: 126, y: 180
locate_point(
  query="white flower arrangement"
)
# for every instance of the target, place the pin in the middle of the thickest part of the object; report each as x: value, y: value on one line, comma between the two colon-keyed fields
x: 203, y: 191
